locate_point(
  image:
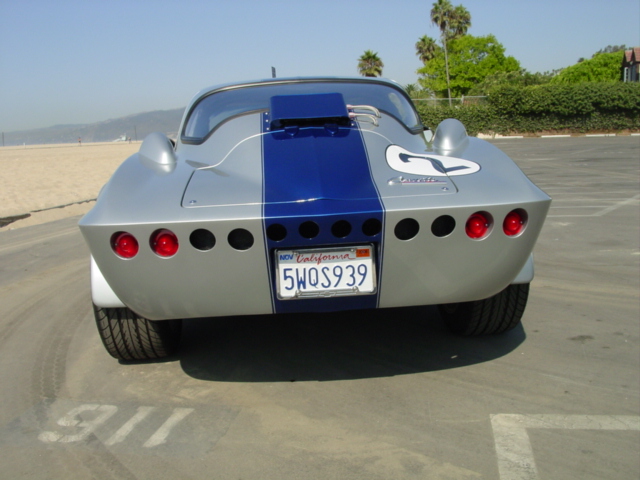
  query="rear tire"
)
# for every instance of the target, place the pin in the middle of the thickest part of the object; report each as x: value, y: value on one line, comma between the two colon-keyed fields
x: 496, y: 314
x: 128, y: 336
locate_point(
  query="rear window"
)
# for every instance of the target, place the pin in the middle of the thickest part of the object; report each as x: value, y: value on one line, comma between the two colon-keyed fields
x: 221, y: 105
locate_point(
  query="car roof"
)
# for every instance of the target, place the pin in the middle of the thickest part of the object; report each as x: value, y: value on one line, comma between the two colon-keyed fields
x: 280, y: 80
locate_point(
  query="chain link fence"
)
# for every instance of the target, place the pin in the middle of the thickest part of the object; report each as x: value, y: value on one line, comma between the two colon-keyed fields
x: 443, y: 102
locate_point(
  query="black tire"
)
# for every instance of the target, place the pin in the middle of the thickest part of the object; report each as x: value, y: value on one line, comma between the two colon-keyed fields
x: 128, y: 336
x: 496, y: 314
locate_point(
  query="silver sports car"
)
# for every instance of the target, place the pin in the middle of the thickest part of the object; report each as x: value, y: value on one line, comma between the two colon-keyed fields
x: 309, y: 195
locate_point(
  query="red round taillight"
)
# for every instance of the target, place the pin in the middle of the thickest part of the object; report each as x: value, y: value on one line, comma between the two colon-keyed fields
x: 124, y: 244
x: 164, y: 243
x: 478, y: 225
x: 514, y: 222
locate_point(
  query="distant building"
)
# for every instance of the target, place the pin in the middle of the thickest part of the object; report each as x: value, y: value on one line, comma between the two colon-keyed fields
x: 631, y: 65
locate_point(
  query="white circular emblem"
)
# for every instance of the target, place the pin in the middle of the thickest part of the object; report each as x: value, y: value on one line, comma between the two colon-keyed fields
x: 428, y: 165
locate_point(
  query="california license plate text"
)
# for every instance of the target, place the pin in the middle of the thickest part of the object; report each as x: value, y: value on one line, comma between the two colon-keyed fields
x: 314, y: 273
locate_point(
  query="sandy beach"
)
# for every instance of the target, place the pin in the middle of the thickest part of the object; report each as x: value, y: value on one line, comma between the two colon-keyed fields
x: 50, y: 182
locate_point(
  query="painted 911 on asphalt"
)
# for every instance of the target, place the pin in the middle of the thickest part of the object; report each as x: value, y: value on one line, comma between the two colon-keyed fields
x: 309, y: 195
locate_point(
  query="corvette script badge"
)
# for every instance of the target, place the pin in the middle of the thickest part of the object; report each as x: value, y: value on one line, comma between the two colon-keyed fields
x: 415, y: 181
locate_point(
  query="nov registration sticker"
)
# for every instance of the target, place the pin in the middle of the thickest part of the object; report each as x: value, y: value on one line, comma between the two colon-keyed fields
x: 327, y: 272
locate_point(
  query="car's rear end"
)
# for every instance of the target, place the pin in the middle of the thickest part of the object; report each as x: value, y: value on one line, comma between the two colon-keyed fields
x: 309, y: 196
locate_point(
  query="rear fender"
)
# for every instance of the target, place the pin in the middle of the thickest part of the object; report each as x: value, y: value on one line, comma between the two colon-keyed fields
x: 526, y: 274
x: 101, y: 293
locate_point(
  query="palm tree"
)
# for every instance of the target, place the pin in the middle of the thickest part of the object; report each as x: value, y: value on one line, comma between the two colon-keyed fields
x: 426, y: 48
x: 452, y: 22
x: 460, y: 21
x: 415, y: 91
x: 411, y: 89
x: 370, y: 65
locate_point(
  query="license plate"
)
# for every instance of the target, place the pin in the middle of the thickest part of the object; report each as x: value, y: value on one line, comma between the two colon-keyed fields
x: 325, y: 272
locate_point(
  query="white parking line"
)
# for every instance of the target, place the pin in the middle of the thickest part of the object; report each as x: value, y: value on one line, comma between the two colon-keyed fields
x: 604, y: 210
x: 582, y: 206
x: 513, y: 448
x: 615, y: 206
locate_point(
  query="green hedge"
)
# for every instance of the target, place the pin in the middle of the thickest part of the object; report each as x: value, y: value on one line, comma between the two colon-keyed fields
x: 587, y: 107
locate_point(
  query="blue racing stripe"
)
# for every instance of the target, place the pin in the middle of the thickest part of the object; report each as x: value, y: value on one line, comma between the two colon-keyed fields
x: 318, y: 174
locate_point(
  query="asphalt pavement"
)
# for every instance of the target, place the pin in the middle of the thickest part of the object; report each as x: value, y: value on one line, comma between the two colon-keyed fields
x: 388, y: 394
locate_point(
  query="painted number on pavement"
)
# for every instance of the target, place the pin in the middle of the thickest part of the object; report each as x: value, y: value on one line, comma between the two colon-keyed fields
x: 101, y: 414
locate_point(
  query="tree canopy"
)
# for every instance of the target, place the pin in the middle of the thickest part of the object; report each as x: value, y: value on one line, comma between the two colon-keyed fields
x: 426, y: 48
x: 520, y: 78
x: 370, y: 65
x: 453, y: 22
x: 457, y: 64
x: 603, y: 67
x: 471, y: 61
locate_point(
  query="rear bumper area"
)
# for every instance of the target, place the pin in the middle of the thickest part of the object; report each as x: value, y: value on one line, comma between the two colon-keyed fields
x: 417, y: 266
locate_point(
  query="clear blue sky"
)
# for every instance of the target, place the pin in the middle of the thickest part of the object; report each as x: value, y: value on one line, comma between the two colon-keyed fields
x: 65, y: 62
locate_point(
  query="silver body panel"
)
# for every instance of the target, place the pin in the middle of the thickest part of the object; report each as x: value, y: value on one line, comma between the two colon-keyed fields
x: 218, y: 185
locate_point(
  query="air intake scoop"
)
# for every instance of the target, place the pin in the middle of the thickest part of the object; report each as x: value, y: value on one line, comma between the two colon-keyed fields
x: 308, y: 110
